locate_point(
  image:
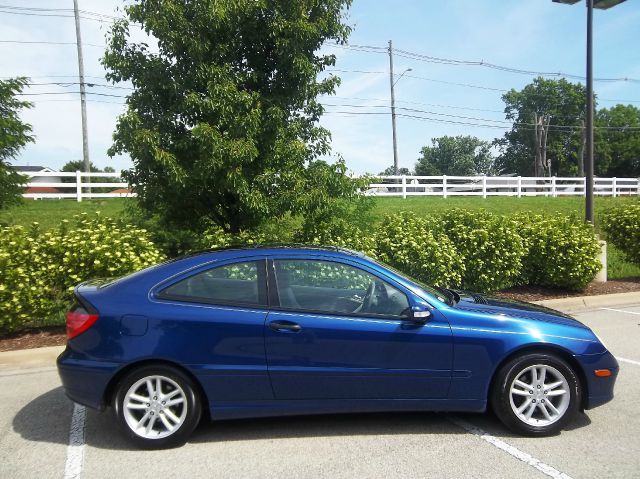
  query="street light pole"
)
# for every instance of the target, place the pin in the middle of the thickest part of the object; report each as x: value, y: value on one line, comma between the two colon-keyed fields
x: 601, y: 5
x: 589, y: 122
x: 393, y: 110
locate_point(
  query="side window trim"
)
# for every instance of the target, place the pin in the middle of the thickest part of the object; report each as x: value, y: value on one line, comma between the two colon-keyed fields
x: 272, y: 285
x: 263, y: 300
x: 274, y: 294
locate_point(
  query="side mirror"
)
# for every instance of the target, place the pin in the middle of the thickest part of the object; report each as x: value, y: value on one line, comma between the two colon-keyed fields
x: 419, y: 315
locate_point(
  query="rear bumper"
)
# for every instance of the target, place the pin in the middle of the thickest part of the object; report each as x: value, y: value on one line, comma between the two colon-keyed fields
x: 599, y: 389
x: 85, y: 381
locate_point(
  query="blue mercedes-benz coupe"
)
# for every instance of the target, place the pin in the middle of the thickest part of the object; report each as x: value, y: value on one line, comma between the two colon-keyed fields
x: 275, y: 331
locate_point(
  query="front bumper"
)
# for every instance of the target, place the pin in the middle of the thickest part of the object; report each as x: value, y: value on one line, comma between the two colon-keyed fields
x: 599, y: 390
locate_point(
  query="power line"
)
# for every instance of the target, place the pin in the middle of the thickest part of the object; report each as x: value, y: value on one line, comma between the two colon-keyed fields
x: 51, y: 76
x: 57, y: 12
x: 450, y: 61
x: 466, y: 85
x: 69, y: 10
x: 90, y: 85
x: 42, y: 42
x: 507, y: 123
x: 439, y: 105
x: 70, y: 93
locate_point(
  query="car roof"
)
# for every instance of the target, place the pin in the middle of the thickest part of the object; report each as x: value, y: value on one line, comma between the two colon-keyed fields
x: 277, y: 249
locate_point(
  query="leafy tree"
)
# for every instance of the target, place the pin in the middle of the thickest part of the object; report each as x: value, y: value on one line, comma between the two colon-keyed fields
x: 389, y: 171
x: 617, y: 141
x: 78, y: 165
x: 556, y: 103
x: 222, y: 125
x: 14, y: 135
x: 455, y: 155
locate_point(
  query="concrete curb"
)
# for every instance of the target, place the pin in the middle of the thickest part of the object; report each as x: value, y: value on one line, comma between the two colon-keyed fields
x: 30, y: 358
x: 583, y: 303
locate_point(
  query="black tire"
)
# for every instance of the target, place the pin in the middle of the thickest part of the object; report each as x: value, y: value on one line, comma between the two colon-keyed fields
x: 189, y: 410
x: 503, y: 403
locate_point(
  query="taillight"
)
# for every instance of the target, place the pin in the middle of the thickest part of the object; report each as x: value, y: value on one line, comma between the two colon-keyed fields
x: 79, y: 320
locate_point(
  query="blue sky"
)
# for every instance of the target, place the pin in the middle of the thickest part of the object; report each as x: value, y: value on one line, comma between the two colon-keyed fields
x: 533, y: 35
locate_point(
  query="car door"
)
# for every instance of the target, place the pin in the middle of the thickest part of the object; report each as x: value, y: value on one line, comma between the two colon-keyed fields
x: 338, y: 330
x: 213, y: 322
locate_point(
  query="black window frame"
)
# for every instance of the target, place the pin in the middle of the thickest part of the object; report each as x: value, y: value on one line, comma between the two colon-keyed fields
x: 263, y: 296
x: 274, y: 294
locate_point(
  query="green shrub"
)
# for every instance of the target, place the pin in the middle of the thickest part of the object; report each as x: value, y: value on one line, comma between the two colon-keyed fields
x: 343, y: 234
x: 562, y: 251
x: 622, y: 226
x: 38, y: 269
x: 348, y: 224
x: 215, y: 237
x: 406, y: 242
x: 490, y: 246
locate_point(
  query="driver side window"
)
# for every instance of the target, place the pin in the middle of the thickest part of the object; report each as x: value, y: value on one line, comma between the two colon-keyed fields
x: 329, y: 287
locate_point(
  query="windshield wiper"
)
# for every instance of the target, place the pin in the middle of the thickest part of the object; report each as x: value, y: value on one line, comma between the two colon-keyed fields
x: 449, y: 294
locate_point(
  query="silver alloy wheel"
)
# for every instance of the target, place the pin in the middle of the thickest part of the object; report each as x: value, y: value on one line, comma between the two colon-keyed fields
x: 539, y: 395
x: 155, y: 407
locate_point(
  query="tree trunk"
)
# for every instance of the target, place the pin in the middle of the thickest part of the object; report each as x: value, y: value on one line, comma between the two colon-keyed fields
x: 546, y: 162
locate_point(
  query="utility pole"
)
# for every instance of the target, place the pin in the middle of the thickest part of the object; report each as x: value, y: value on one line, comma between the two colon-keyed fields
x: 83, y: 94
x: 393, y: 111
x: 589, y: 142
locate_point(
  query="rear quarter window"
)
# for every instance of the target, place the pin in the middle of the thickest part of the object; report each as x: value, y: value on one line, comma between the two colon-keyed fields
x: 240, y: 283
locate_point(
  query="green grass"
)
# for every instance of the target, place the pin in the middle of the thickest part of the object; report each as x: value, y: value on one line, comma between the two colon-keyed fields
x: 49, y: 213
x: 497, y: 204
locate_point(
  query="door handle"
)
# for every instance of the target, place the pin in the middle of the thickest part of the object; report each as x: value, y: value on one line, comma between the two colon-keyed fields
x: 285, y: 326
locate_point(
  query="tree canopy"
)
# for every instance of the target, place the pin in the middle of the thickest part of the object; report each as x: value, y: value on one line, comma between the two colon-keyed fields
x: 456, y: 155
x: 222, y: 124
x: 390, y: 171
x: 557, y: 105
x: 617, y: 141
x: 14, y: 135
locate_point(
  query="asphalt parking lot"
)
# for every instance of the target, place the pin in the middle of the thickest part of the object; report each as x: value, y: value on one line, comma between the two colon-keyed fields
x: 38, y: 422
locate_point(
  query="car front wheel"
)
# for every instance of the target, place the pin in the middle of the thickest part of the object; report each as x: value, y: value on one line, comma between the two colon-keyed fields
x: 536, y: 394
x: 158, y: 407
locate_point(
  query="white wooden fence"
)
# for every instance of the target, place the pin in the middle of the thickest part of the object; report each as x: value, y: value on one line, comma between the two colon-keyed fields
x: 484, y: 186
x: 78, y: 189
x: 402, y: 186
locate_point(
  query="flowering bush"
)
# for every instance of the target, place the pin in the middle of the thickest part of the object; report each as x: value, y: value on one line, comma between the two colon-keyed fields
x: 490, y: 246
x: 38, y: 269
x: 406, y: 242
x: 561, y: 251
x: 622, y: 225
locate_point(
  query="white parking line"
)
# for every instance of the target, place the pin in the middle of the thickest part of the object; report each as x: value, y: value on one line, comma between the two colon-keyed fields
x: 24, y: 372
x: 630, y: 361
x: 621, y: 311
x: 509, y: 449
x: 75, y: 449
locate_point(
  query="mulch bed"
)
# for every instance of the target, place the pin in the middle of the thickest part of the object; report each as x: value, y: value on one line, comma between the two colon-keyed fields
x: 34, y: 338
x: 56, y: 335
x: 536, y: 293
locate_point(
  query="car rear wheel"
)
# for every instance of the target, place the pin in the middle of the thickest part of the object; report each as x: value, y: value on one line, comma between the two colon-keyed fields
x: 536, y: 394
x: 157, y: 406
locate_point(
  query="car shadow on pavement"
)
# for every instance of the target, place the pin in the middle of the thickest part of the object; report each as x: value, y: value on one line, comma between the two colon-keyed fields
x: 365, y: 424
x: 490, y: 423
x: 47, y: 419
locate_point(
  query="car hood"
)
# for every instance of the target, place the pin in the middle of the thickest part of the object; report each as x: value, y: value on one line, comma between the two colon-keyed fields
x: 513, y: 308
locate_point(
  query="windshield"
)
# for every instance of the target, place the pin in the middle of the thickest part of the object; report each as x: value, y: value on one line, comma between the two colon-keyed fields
x: 440, y: 294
